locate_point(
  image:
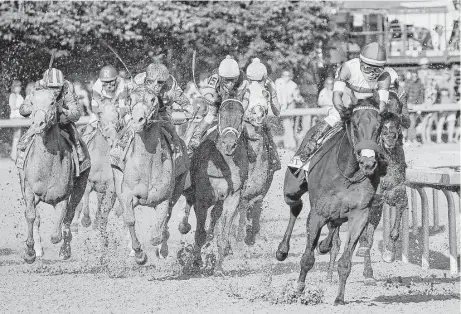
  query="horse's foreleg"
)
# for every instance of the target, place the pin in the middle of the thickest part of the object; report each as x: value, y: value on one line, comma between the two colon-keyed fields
x: 30, y: 214
x: 86, y: 220
x: 160, y: 233
x: 60, y: 213
x: 200, y: 233
x: 38, y: 239
x: 314, y: 225
x: 294, y: 186
x: 336, y: 244
x: 357, y: 221
x: 401, y: 202
x: 284, y: 246
x: 105, y: 206
x: 130, y: 221
x: 118, y: 178
x: 253, y: 222
x: 243, y: 212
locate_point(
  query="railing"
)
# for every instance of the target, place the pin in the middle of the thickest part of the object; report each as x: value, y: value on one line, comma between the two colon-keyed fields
x: 439, y: 120
x: 418, y: 180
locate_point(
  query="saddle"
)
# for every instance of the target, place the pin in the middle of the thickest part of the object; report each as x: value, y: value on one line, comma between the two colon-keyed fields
x: 296, y: 162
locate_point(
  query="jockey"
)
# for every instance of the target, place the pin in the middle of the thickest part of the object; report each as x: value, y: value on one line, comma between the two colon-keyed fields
x: 109, y: 88
x: 161, y: 84
x: 257, y: 74
x: 227, y: 82
x: 357, y: 78
x: 69, y: 109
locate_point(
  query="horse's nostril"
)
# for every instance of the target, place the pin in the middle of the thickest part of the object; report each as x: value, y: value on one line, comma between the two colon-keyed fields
x: 140, y: 119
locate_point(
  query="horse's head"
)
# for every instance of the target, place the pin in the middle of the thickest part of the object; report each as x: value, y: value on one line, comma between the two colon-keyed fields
x: 44, y: 109
x: 258, y: 104
x: 144, y: 108
x: 230, y: 119
x: 390, y: 130
x: 109, y: 119
x: 365, y: 124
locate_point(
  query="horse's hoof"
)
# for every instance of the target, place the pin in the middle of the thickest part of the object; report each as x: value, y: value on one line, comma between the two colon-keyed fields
x: 39, y: 252
x: 300, y: 287
x: 132, y: 253
x: 369, y: 281
x: 388, y: 256
x: 161, y: 252
x: 218, y: 273
x: 29, y: 256
x: 362, y: 251
x: 65, y: 253
x: 339, y: 302
x: 184, y: 227
x: 55, y: 239
x: 142, y: 259
x: 86, y: 221
x: 281, y: 256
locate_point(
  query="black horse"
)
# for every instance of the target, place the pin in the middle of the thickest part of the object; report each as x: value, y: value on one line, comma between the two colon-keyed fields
x: 343, y: 178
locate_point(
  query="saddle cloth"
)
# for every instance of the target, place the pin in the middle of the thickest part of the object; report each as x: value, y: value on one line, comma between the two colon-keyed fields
x: 119, y: 151
x: 296, y: 162
x: 79, y: 166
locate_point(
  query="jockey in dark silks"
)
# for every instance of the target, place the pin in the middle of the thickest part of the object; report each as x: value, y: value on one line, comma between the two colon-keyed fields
x: 161, y: 84
x: 69, y: 109
x: 358, y: 78
x: 227, y: 82
x: 257, y: 74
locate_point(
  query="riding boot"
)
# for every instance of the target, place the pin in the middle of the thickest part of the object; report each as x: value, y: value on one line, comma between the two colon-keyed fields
x: 75, y: 138
x: 196, y: 138
x: 274, y: 156
x: 310, y: 142
x: 25, y: 139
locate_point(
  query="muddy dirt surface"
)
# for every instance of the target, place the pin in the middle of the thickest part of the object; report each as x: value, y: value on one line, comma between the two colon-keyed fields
x: 96, y: 280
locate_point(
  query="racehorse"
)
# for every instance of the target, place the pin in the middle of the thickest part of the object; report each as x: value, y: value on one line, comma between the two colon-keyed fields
x: 49, y: 175
x: 391, y: 191
x: 260, y: 173
x: 148, y: 177
x: 101, y: 178
x: 343, y: 177
x: 218, y: 173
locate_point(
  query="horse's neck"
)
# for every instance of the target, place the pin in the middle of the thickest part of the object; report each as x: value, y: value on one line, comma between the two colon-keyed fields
x: 49, y: 142
x: 148, y: 140
x: 342, y: 156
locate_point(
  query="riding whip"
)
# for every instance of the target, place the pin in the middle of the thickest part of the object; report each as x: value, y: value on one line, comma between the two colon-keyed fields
x: 116, y: 54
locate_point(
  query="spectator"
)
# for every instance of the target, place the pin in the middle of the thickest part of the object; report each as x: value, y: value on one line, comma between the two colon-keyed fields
x: 15, y: 101
x: 83, y: 99
x: 288, y: 96
x: 29, y: 88
x: 402, y: 80
x: 414, y: 89
x: 438, y: 38
x: 326, y: 94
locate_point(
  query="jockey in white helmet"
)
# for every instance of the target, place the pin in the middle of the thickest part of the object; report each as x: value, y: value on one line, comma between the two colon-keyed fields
x: 257, y: 74
x: 358, y: 78
x: 227, y: 82
x: 69, y: 108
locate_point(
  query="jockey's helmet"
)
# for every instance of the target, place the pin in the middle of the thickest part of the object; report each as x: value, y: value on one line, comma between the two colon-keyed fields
x: 229, y: 68
x: 157, y: 72
x: 53, y: 78
x: 108, y: 73
x: 256, y: 71
x: 373, y: 54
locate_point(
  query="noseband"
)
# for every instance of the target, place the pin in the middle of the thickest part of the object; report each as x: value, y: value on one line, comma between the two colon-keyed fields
x: 229, y: 129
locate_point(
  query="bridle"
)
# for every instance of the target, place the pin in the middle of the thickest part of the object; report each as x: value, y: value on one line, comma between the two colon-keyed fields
x: 360, y: 176
x: 54, y: 111
x: 229, y: 129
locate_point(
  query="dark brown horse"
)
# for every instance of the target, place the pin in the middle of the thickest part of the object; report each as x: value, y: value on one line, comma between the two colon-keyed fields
x: 219, y: 170
x: 343, y: 178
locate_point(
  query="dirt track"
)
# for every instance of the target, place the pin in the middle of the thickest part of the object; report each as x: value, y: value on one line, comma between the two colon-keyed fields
x: 88, y: 283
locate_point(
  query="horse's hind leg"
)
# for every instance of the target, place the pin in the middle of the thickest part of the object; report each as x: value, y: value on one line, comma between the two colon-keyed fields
x: 336, y: 244
x: 399, y: 196
x: 30, y: 214
x: 294, y: 187
x: 374, y: 217
x: 160, y: 233
x: 105, y: 204
x: 86, y: 219
x: 314, y: 226
x: 357, y: 221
